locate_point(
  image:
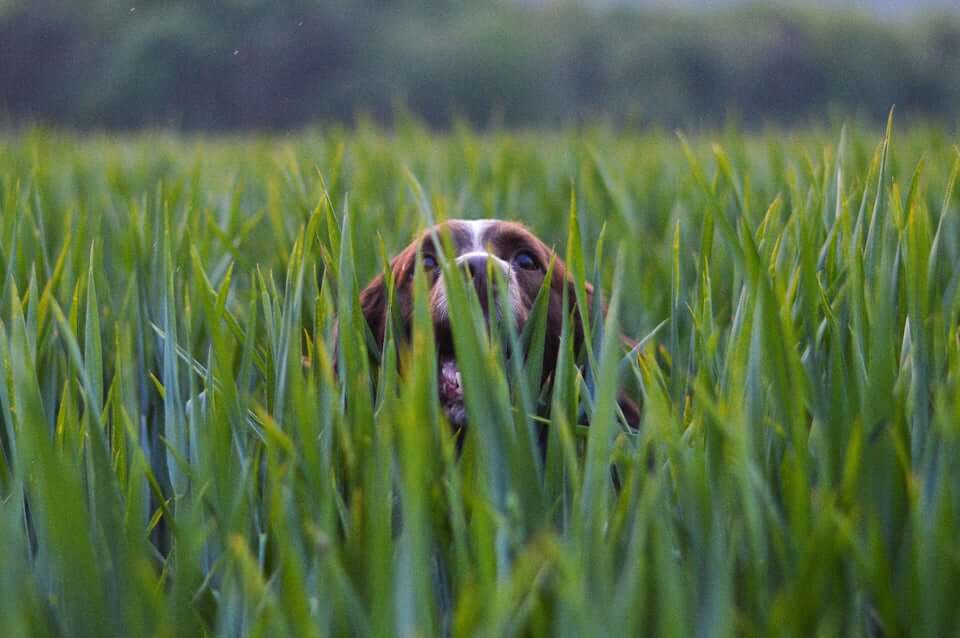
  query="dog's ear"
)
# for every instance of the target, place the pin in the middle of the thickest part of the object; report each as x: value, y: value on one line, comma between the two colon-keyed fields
x: 373, y: 304
x: 374, y: 298
x: 563, y: 282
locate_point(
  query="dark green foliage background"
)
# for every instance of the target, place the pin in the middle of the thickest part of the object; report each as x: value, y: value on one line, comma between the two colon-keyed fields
x: 283, y: 64
x: 795, y: 474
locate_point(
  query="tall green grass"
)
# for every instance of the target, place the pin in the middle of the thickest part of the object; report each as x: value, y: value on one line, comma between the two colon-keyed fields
x: 796, y: 472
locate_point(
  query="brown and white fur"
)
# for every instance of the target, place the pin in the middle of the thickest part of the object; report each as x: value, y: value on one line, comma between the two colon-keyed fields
x: 479, y: 246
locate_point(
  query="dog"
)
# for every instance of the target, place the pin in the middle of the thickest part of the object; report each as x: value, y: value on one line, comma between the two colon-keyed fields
x: 481, y: 247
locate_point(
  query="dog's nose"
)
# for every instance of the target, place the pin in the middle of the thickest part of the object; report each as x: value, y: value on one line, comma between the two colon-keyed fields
x: 476, y: 265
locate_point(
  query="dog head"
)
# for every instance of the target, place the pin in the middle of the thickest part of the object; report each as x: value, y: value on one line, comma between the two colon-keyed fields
x: 486, y: 250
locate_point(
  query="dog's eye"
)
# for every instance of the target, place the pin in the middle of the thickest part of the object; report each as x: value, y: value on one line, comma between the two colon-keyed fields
x: 524, y: 259
x: 429, y: 262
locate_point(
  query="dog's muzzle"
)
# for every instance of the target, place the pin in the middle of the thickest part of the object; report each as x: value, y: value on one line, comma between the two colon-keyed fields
x: 478, y: 265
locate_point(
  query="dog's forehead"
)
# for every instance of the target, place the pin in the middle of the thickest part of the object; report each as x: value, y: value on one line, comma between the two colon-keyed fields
x: 476, y: 234
x: 471, y: 234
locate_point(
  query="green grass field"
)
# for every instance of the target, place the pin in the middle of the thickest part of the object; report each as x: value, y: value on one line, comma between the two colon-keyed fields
x: 797, y: 472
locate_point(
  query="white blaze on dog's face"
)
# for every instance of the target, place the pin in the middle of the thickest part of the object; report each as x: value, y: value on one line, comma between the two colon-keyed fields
x: 482, y: 248
x: 481, y: 253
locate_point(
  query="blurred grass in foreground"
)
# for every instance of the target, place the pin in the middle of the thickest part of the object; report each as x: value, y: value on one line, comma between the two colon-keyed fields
x: 802, y: 407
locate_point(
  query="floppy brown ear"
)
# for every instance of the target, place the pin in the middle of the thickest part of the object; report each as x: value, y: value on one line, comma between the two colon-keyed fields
x: 562, y: 280
x: 374, y: 298
x: 373, y: 304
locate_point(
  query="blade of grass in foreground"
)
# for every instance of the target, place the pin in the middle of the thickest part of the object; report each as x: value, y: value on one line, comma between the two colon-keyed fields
x: 61, y: 518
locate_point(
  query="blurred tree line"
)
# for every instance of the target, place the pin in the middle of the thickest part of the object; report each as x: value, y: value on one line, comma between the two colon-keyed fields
x: 275, y: 64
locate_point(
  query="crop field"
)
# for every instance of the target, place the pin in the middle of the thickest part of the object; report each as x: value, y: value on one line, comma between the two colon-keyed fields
x: 796, y: 296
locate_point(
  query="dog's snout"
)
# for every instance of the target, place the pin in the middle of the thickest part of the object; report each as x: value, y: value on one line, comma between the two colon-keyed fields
x: 476, y: 265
